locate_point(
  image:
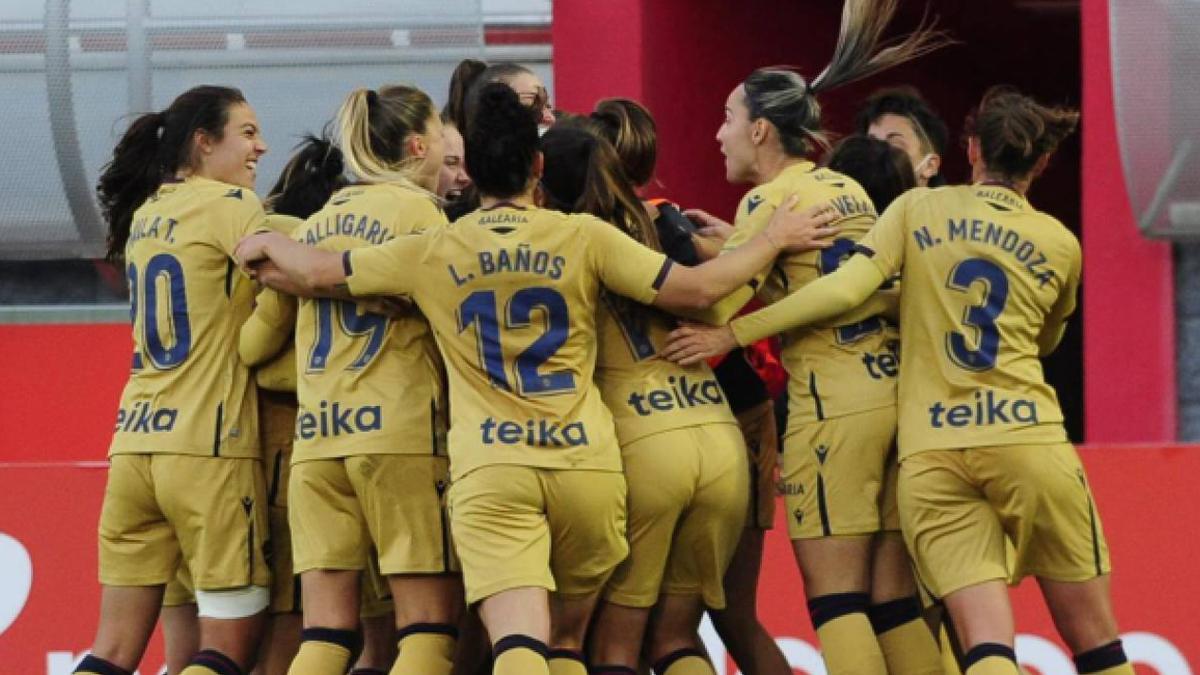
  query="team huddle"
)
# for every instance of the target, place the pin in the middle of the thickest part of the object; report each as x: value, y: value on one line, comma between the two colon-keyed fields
x: 456, y: 397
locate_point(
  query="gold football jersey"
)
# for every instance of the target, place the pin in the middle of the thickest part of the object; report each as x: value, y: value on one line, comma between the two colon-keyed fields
x: 367, y: 383
x: 982, y: 269
x: 188, y: 393
x: 832, y: 371
x: 646, y: 393
x: 512, y: 295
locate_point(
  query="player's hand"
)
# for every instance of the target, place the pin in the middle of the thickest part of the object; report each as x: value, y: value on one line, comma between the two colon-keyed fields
x: 253, y: 249
x: 709, y: 226
x: 797, y: 232
x: 693, y: 343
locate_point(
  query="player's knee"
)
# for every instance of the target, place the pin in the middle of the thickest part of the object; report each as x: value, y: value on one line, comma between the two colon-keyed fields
x: 237, y: 603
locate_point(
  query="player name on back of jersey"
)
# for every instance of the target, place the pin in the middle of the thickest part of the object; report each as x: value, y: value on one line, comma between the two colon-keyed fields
x: 366, y: 228
x: 519, y: 259
x: 990, y: 408
x: 681, y: 394
x: 158, y: 227
x: 1026, y: 253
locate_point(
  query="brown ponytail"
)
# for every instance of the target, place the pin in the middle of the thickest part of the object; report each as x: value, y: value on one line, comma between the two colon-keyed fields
x: 1015, y: 131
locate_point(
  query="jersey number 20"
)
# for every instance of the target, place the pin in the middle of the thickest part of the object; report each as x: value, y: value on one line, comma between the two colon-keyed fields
x: 480, y: 308
x: 144, y: 296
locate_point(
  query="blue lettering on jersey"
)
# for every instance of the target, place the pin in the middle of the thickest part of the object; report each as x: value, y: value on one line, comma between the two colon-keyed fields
x: 335, y: 420
x: 142, y: 419
x: 1010, y: 241
x: 988, y: 410
x: 158, y: 227
x: 365, y: 228
x: 848, y: 205
x: 540, y: 433
x: 521, y: 259
x: 883, y: 364
x: 680, y: 395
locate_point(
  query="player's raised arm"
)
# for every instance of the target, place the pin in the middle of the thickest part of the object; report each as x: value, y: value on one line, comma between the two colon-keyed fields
x: 697, y: 288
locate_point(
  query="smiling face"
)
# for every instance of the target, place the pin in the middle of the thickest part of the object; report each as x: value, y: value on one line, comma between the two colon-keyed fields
x: 234, y: 157
x: 453, y: 178
x: 737, y: 138
x: 900, y: 131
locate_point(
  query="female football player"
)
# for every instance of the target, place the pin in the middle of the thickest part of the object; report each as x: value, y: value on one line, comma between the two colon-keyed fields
x: 368, y: 466
x: 538, y: 498
x: 988, y: 284
x: 186, y: 482
x: 632, y: 131
x: 841, y: 388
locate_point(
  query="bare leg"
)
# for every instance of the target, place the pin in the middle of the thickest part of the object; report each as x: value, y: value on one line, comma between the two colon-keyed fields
x: 1082, y: 612
x: 181, y: 635
x: 616, y: 637
x: 982, y: 613
x: 752, y: 647
x: 674, y: 624
x: 280, y: 643
x: 517, y: 611
x: 127, y: 618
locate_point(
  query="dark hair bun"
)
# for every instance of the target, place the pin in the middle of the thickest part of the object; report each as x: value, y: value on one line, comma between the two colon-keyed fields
x: 501, y: 141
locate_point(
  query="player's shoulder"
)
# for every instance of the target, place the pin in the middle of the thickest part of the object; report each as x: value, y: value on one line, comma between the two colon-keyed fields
x: 284, y: 224
x: 225, y: 196
x: 415, y: 207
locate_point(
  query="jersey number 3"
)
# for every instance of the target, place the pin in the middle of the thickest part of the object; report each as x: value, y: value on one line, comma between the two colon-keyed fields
x: 981, y: 317
x: 480, y: 308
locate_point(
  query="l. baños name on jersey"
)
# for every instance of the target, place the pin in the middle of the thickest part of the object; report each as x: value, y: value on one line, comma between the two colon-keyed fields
x: 522, y: 259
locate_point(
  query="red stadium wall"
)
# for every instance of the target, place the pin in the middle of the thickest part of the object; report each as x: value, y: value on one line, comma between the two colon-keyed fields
x: 681, y: 60
x: 56, y: 432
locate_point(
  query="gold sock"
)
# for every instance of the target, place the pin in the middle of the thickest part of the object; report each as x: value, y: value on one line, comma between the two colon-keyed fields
x: 949, y: 660
x: 690, y: 665
x: 849, y: 647
x: 908, y: 646
x: 993, y: 665
x: 1120, y: 669
x: 566, y: 665
x: 909, y: 649
x: 317, y: 657
x: 423, y: 653
x: 520, y: 661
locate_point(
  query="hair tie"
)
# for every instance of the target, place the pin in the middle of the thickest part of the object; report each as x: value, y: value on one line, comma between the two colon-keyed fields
x: 372, y: 97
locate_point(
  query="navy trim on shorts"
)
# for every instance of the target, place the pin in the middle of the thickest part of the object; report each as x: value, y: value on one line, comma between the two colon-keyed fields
x: 823, y: 507
x: 346, y: 268
x: 276, y: 473
x: 217, y: 430
x: 812, y: 389
x: 662, y: 274
x: 1095, y: 529
x: 982, y: 651
x: 229, y: 268
x: 864, y: 250
x: 440, y: 486
x: 669, y: 660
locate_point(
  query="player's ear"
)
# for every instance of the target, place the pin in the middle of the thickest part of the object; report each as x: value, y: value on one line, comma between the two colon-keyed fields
x: 416, y: 146
x: 974, y: 151
x: 760, y: 129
